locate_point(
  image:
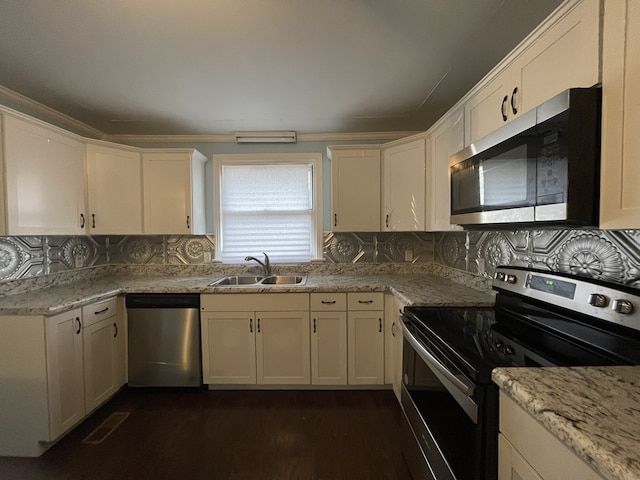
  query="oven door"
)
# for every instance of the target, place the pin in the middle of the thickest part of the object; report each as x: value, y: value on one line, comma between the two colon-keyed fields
x: 443, y: 411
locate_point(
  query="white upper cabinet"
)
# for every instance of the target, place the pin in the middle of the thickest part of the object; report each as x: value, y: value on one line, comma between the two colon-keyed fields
x: 355, y: 189
x: 45, y: 181
x: 445, y: 139
x: 403, y: 186
x: 173, y: 186
x: 563, y: 52
x: 620, y: 195
x: 114, y: 187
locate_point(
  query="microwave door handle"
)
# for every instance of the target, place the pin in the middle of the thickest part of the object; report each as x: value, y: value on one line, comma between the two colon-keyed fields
x: 464, y: 387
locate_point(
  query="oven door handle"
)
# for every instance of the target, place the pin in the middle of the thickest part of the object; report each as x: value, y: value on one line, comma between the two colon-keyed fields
x: 464, y: 387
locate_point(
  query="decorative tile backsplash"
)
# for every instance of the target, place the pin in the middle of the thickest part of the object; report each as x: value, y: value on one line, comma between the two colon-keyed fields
x: 604, y: 254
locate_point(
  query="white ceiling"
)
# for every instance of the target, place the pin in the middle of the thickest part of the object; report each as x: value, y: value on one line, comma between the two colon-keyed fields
x: 216, y: 66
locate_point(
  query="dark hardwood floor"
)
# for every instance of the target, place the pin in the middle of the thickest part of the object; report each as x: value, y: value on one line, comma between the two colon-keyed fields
x: 231, y: 435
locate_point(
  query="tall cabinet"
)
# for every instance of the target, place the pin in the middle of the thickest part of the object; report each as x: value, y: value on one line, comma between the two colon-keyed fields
x: 620, y: 196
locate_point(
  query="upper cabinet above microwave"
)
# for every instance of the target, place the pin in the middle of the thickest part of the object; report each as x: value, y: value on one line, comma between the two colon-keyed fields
x: 562, y: 53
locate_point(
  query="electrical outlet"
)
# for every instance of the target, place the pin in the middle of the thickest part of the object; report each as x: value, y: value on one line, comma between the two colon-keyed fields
x: 408, y: 255
x: 207, y: 257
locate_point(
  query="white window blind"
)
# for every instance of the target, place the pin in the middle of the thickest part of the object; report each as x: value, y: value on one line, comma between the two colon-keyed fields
x: 267, y: 208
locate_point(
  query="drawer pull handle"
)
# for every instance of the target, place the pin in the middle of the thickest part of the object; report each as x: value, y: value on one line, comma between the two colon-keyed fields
x: 82, y: 220
x: 326, y: 302
x: 335, y: 219
x: 101, y: 311
x: 379, y: 325
x: 251, y: 325
x: 115, y: 326
x: 365, y: 302
x: 93, y: 220
x: 514, y: 101
x: 503, y: 108
x: 258, y: 326
x: 79, y: 325
x: 314, y: 325
x: 188, y: 222
x: 393, y: 329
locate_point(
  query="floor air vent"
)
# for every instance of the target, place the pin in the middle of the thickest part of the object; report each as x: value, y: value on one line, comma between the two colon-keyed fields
x: 105, y: 429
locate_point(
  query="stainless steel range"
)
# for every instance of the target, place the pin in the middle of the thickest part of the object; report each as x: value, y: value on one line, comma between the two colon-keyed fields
x: 540, y: 319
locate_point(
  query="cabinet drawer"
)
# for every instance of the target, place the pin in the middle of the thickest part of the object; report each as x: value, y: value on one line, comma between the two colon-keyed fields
x: 365, y: 301
x: 97, y: 311
x: 230, y: 302
x: 328, y: 301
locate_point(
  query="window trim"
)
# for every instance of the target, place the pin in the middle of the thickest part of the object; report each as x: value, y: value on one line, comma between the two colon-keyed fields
x: 315, y: 159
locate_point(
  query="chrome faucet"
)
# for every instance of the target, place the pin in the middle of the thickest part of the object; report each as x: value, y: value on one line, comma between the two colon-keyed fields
x: 266, y: 266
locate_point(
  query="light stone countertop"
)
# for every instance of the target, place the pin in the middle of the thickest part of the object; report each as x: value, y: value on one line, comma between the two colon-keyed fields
x: 413, y: 289
x: 595, y: 411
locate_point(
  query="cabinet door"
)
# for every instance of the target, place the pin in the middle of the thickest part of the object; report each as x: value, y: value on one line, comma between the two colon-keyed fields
x: 511, y: 465
x: 282, y: 348
x: 65, y: 377
x: 45, y: 181
x: 620, y: 195
x: 489, y: 108
x: 99, y: 362
x: 393, y: 343
x: 114, y: 184
x: 228, y: 347
x: 329, y: 348
x: 120, y: 344
x: 566, y: 55
x: 445, y: 140
x: 366, y: 347
x: 167, y: 193
x: 355, y: 190
x: 403, y: 192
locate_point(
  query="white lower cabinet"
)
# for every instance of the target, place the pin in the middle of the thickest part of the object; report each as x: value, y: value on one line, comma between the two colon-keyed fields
x: 65, y: 373
x: 255, y: 338
x: 103, y: 337
x: 55, y: 371
x: 328, y: 338
x: 365, y: 332
x: 393, y: 343
x: 528, y: 451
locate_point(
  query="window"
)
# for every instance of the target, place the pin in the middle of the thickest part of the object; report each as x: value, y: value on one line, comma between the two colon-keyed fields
x: 268, y: 203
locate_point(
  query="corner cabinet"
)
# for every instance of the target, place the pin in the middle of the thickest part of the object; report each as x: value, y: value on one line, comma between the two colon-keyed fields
x: 619, y: 193
x: 55, y: 371
x: 45, y: 180
x: 403, y: 186
x: 173, y: 186
x: 114, y: 188
x: 563, y: 52
x: 355, y: 188
x: 528, y: 451
x: 255, y: 339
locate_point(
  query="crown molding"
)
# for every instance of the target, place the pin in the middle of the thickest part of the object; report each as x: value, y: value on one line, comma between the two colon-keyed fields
x: 43, y: 112
x: 302, y: 137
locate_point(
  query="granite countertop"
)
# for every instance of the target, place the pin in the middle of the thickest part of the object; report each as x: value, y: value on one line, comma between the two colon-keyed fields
x: 595, y: 411
x: 412, y: 289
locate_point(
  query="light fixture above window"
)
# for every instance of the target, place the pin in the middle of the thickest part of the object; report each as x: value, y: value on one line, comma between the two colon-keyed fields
x: 266, y: 137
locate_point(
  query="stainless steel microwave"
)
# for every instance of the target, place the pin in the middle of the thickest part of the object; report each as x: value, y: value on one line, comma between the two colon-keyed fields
x: 541, y: 168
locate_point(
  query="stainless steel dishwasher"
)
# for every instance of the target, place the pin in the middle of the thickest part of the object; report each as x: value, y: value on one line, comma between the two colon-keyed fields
x: 164, y: 340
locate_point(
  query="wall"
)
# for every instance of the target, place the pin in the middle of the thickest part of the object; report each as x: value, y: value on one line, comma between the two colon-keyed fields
x: 608, y: 255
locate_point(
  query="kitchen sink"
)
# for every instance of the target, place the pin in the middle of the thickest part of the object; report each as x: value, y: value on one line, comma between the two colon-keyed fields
x: 258, y: 280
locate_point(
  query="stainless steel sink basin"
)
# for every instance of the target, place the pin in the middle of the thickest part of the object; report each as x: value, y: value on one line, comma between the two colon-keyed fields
x: 284, y: 280
x: 258, y: 280
x: 237, y: 280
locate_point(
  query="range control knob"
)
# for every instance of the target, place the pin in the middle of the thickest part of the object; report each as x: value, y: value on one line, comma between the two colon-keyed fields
x: 508, y: 350
x: 512, y: 279
x: 622, y: 306
x: 500, y: 276
x: 598, y: 300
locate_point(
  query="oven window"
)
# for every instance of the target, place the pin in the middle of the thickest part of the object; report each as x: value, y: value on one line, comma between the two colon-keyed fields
x: 456, y: 434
